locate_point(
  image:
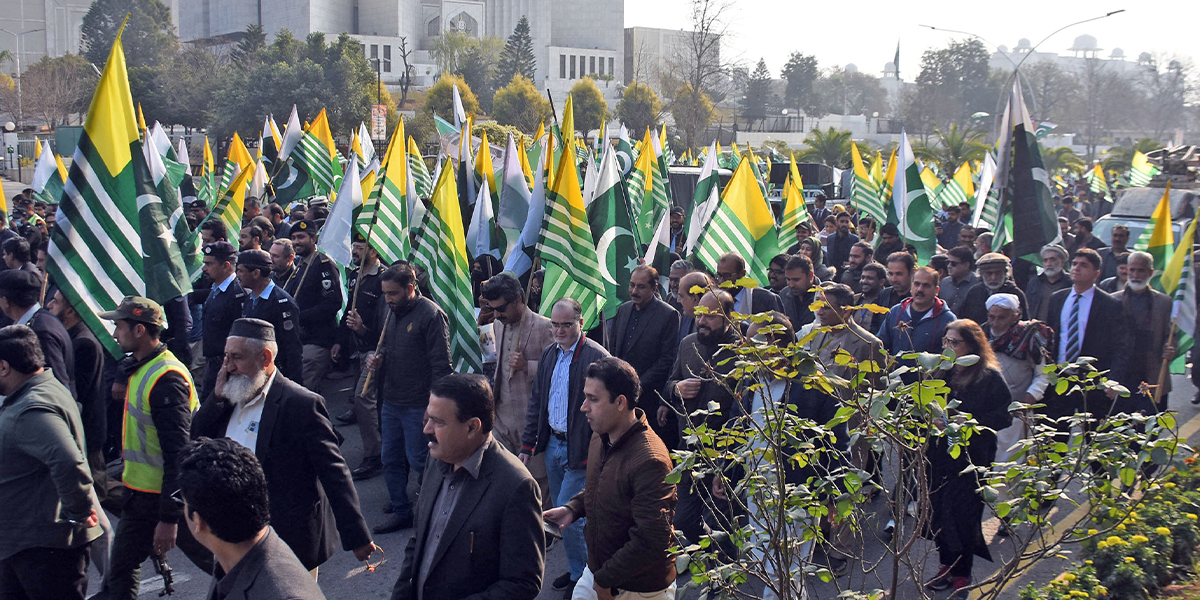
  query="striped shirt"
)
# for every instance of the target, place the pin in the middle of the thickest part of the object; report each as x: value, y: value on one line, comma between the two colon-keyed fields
x: 560, y: 390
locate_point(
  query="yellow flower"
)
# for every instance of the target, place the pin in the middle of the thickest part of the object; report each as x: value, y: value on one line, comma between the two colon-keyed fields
x: 1128, y: 559
x: 1140, y: 539
x: 1078, y: 593
x: 1162, y: 531
x: 1069, y: 576
x: 1121, y: 527
x: 1092, y: 532
x: 1088, y: 562
x: 1169, y: 484
x: 1192, y: 516
x: 1102, y: 544
x: 1101, y: 590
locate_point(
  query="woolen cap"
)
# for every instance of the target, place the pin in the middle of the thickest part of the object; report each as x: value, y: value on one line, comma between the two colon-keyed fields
x: 992, y: 259
x: 255, y: 329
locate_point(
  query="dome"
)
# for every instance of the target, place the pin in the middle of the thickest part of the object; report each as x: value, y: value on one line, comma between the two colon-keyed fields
x: 1024, y: 44
x: 889, y: 67
x: 1084, y: 43
x: 1002, y: 49
x: 1117, y: 53
x: 1145, y: 57
x: 851, y: 68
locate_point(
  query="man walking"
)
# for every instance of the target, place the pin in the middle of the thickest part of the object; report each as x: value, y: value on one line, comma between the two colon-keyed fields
x: 626, y: 501
x: 364, y: 286
x: 840, y: 243
x: 222, y: 307
x: 749, y: 301
x: 961, y: 277
x: 1052, y: 279
x: 1149, y: 314
x: 995, y: 278
x: 860, y: 254
x: 269, y: 302
x: 796, y: 297
x: 317, y: 288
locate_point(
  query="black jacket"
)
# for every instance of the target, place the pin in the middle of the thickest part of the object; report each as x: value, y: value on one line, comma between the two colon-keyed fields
x: 651, y: 348
x: 366, y: 300
x: 280, y: 310
x: 537, y: 419
x: 269, y: 571
x: 796, y: 308
x: 308, y: 482
x: 494, y: 535
x: 56, y: 346
x: 89, y: 385
x: 221, y: 309
x: 761, y: 300
x: 974, y: 304
x: 317, y: 288
x: 416, y: 351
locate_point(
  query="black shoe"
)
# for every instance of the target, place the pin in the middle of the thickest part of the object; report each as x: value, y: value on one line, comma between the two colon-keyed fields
x: 369, y: 468
x: 563, y: 581
x: 941, y: 581
x: 570, y: 591
x: 1196, y: 400
x: 394, y: 523
x: 347, y: 418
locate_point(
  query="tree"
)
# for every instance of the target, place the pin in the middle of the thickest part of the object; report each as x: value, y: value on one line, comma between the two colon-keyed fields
x: 850, y: 93
x: 478, y: 69
x: 149, y: 38
x: 56, y: 88
x: 698, y: 61
x: 519, y: 104
x: 517, y: 57
x: 448, y: 50
x: 1052, y: 89
x: 408, y: 72
x: 758, y: 94
x: 801, y: 74
x: 440, y: 98
x: 1119, y: 158
x: 693, y: 112
x: 1063, y: 158
x: 1167, y: 93
x: 590, y: 107
x: 954, y: 146
x: 829, y: 147
x: 252, y: 43
x: 639, y: 107
x: 950, y: 82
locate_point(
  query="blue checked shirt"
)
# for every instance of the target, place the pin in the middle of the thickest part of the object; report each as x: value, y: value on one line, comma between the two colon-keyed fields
x: 560, y: 389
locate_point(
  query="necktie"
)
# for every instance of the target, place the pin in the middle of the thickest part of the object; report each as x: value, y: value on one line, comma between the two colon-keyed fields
x: 1073, y: 336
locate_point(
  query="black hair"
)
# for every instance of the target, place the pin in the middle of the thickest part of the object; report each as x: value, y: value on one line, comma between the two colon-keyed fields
x: 910, y: 263
x: 401, y: 273
x: 18, y: 247
x: 889, y: 229
x: 223, y: 481
x: 250, y: 202
x: 20, y: 347
x: 472, y: 397
x: 1091, y: 255
x: 877, y: 269
x: 781, y: 260
x: 866, y: 247
x: 275, y: 210
x: 22, y: 297
x: 801, y: 262
x: 831, y: 218
x: 868, y: 221
x: 319, y: 212
x: 646, y: 269
x: 619, y: 379
x: 1085, y: 222
x: 502, y: 287
x: 217, y: 228
x: 840, y: 293
x: 963, y: 254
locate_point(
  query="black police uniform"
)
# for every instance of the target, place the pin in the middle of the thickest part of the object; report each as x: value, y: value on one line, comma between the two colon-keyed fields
x: 316, y: 287
x: 280, y: 310
x: 366, y: 299
x: 221, y: 309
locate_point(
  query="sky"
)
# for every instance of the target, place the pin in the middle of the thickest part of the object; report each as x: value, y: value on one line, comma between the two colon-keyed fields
x: 865, y: 32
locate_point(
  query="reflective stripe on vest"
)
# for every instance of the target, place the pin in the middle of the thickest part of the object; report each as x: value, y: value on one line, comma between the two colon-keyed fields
x: 141, y: 451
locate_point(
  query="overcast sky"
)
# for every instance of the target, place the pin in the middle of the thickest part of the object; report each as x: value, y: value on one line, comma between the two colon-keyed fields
x: 865, y: 32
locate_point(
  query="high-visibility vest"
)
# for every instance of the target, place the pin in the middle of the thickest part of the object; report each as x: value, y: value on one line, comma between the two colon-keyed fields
x: 141, y: 451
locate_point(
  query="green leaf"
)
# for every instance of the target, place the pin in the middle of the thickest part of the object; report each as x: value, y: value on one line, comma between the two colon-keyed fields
x: 1061, y: 386
x: 1127, y: 476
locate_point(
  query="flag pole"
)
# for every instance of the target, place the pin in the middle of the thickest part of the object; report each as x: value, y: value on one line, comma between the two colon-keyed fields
x: 378, y: 347
x: 1164, y: 369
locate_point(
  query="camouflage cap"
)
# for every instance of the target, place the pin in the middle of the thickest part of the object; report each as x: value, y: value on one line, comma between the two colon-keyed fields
x: 136, y: 308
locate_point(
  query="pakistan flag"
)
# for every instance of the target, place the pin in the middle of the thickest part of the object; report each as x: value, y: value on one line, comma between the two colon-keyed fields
x: 611, y: 221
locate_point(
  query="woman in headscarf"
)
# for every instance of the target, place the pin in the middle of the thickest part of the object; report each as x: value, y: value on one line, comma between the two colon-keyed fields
x: 811, y: 247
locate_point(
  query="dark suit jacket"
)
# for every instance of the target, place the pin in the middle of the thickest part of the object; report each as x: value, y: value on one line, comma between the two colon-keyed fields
x: 56, y: 346
x: 492, y: 547
x: 269, y: 571
x: 1106, y: 338
x: 307, y: 478
x: 651, y: 350
x: 762, y: 300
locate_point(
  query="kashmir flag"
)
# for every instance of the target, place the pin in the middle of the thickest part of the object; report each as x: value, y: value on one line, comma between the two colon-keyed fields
x: 885, y: 190
x: 237, y: 160
x: 876, y: 172
x: 338, y: 231
x: 911, y: 200
x: 1098, y: 183
x: 514, y: 189
x: 422, y: 181
x: 442, y: 251
x: 610, y: 217
x: 741, y: 223
x: 864, y: 192
x: 566, y: 133
x: 640, y: 187
x: 318, y: 157
x: 389, y: 233
x: 705, y: 199
x: 112, y: 237
x: 520, y: 258
x: 959, y: 189
x: 208, y: 183
x: 933, y: 187
x: 567, y: 249
x: 363, y: 149
x: 987, y: 204
x: 481, y: 234
x: 1158, y: 238
x: 47, y: 179
x: 486, y: 173
x: 1140, y: 170
x: 1026, y: 200
x: 232, y: 203
x: 1178, y: 282
x: 795, y: 211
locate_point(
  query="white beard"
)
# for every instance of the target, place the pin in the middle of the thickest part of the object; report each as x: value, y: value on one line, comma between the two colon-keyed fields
x: 240, y: 389
x: 1136, y: 285
x: 995, y: 286
x: 1052, y: 272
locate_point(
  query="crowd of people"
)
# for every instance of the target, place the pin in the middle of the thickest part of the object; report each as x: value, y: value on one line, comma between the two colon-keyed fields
x: 225, y: 447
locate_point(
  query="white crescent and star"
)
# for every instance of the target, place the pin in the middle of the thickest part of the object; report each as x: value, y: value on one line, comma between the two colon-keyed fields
x: 602, y: 245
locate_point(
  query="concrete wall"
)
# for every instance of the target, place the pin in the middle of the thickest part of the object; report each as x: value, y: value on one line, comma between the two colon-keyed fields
x: 59, y: 21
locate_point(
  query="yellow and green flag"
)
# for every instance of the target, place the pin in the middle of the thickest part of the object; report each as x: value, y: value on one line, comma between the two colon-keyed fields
x: 1158, y: 238
x: 742, y: 223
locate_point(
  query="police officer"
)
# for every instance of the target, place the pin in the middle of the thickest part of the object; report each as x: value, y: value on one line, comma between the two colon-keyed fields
x: 160, y: 398
x: 267, y: 301
x: 316, y: 286
x: 364, y: 287
x: 222, y: 306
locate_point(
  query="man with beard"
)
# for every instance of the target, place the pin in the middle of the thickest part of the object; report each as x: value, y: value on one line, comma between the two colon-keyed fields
x: 994, y: 279
x: 1082, y: 228
x: 840, y: 243
x: 900, y: 267
x: 688, y: 301
x: 679, y: 268
x: 159, y: 401
x: 366, y: 292
x: 775, y: 279
x: 889, y: 241
x: 222, y: 306
x: 1149, y: 314
x: 1039, y: 289
x: 871, y: 284
x: 960, y: 277
x: 951, y: 227
x: 677, y: 236
x: 288, y: 429
x: 1022, y: 349
x: 316, y: 286
x: 730, y: 268
x: 1120, y: 239
x: 966, y: 236
x: 860, y: 254
x: 415, y: 352
x: 267, y: 301
x: 796, y: 297
x: 644, y: 334
x: 282, y: 257
x: 251, y: 237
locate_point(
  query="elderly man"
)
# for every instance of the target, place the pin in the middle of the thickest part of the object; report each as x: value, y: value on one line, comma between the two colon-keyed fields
x: 1052, y: 279
x: 688, y: 301
x: 282, y: 258
x: 521, y: 336
x: 1149, y: 314
x: 960, y: 277
x: 995, y: 278
x: 478, y: 509
x: 1023, y: 348
x: 267, y: 301
x: 730, y: 268
x: 796, y: 297
x: 288, y: 429
x: 50, y: 517
x: 679, y: 268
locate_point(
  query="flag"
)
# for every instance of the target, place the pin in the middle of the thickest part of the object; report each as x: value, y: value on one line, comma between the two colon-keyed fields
x: 1178, y: 281
x: 47, y: 181
x: 1098, y: 183
x: 864, y: 192
x: 610, y: 218
x: 1043, y: 129
x: 933, y: 187
x: 418, y: 171
x: 111, y: 237
x: 187, y: 187
x: 466, y: 172
x: 364, y: 149
x: 794, y: 209
x: 338, y: 231
x: 514, y: 191
x: 292, y: 134
x: 486, y: 173
x: 481, y: 234
x: 658, y: 251
x: 1140, y: 170
x: 987, y: 203
x: 389, y: 233
x: 959, y: 189
x: 624, y: 152
x: 318, y: 157
x: 567, y: 249
x: 885, y: 190
x: 232, y: 204
x: 911, y: 201
x: 705, y: 199
x: 520, y: 258
x: 460, y: 114
x: 742, y: 223
x: 167, y: 174
x: 442, y: 251
x: 208, y: 183
x: 640, y: 188
x: 1158, y: 238
x: 161, y: 214
x: 1026, y: 200
x: 237, y: 160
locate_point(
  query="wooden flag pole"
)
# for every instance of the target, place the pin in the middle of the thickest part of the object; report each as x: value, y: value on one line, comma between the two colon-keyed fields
x: 1164, y: 370
x: 378, y: 346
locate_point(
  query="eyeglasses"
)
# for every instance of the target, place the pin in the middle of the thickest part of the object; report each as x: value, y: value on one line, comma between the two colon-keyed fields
x: 952, y: 341
x: 955, y: 263
x: 497, y: 308
x: 556, y: 325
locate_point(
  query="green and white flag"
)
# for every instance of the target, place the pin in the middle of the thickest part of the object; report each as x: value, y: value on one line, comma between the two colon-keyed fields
x: 318, y: 157
x: 1178, y: 281
x: 338, y: 231
x: 167, y: 174
x: 481, y: 234
x: 567, y: 249
x: 514, y: 191
x: 421, y: 179
x: 47, y: 179
x: 704, y: 200
x: 520, y: 258
x: 610, y: 219
x: 915, y: 216
x: 1141, y: 171
x: 389, y: 233
x: 863, y: 192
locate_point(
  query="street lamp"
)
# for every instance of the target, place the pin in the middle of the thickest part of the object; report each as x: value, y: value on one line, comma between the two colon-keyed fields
x: 378, y: 86
x: 18, y: 37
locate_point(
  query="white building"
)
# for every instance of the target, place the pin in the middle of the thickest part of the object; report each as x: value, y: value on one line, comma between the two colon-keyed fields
x: 1084, y: 48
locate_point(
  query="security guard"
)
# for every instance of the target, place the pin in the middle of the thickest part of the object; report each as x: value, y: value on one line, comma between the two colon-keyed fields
x: 267, y: 301
x: 222, y: 307
x: 159, y: 401
x: 316, y: 286
x: 365, y: 289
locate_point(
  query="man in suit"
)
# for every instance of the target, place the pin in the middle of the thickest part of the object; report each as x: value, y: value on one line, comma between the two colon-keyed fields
x: 316, y: 284
x: 222, y: 306
x: 795, y: 297
x: 1149, y: 313
x: 1089, y: 322
x: 19, y: 291
x: 688, y: 302
x: 224, y: 495
x: 269, y: 302
x: 748, y: 301
x: 289, y: 431
x: 479, y: 511
x: 819, y: 212
x: 644, y: 334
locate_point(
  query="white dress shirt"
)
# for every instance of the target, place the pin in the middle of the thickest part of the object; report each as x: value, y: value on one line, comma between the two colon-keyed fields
x: 24, y: 320
x: 1085, y: 307
x: 244, y: 422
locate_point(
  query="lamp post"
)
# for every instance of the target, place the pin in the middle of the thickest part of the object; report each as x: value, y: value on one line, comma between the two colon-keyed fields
x: 18, y: 37
x: 378, y: 86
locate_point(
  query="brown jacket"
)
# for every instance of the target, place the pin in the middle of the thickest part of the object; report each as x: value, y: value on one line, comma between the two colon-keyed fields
x: 1147, y: 366
x: 629, y: 508
x: 530, y: 336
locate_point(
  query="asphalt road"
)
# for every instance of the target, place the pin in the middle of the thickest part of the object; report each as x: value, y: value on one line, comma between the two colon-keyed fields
x: 342, y: 577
